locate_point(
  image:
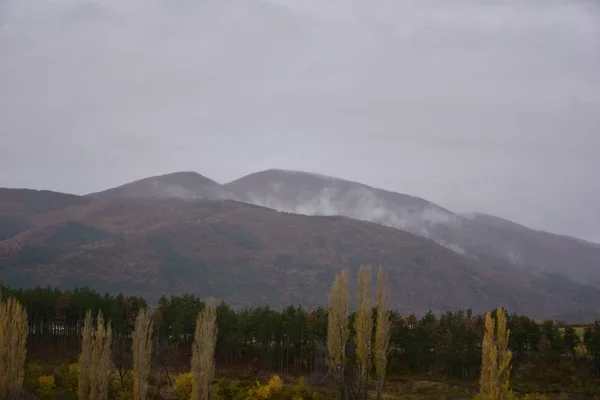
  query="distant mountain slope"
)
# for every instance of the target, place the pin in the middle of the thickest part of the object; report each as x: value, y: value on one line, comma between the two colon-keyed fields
x: 494, y: 241
x: 182, y: 185
x: 314, y: 194
x: 19, y: 208
x: 492, y: 238
x: 27, y: 203
x: 246, y: 254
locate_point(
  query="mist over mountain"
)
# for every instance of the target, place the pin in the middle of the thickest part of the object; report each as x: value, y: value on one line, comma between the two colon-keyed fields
x: 495, y: 241
x: 464, y: 103
x: 249, y: 255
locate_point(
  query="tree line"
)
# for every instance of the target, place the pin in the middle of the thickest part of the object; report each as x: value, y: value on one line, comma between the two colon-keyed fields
x: 296, y: 341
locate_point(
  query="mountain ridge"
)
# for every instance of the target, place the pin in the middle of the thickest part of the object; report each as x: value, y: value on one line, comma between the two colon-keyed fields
x: 251, y: 255
x: 492, y: 239
x: 183, y: 184
x: 488, y: 241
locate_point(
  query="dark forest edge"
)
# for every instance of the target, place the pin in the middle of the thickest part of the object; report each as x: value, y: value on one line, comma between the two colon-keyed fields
x: 547, y: 357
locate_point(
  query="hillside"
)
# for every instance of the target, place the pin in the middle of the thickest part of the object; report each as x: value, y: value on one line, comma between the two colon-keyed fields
x: 491, y: 240
x: 182, y: 185
x: 249, y: 255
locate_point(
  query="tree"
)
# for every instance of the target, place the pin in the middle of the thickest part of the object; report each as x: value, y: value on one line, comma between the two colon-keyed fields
x: 494, y: 383
x: 94, y: 362
x: 142, y: 352
x: 337, y: 329
x: 363, y: 328
x: 382, y: 332
x: 203, y: 352
x: 85, y: 359
x: 13, y: 337
x: 100, y: 371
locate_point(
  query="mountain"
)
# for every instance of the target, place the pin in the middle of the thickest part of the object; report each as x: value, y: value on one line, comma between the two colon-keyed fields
x: 491, y: 240
x: 251, y: 255
x: 314, y: 194
x: 182, y: 185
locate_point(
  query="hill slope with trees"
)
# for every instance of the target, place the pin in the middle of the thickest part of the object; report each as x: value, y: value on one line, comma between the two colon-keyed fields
x: 250, y: 255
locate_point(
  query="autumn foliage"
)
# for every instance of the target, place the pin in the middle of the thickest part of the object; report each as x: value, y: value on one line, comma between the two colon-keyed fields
x: 13, y: 336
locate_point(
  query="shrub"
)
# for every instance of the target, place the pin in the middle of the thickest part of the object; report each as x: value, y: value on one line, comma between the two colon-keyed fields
x: 228, y: 390
x: 46, y: 386
x: 183, y: 386
x: 122, y: 390
x: 33, y: 371
x: 268, y: 391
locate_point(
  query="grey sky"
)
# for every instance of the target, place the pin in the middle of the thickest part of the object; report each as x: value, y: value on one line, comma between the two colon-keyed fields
x: 489, y: 106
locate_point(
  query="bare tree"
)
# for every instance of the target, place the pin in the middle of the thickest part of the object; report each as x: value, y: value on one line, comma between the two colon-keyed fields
x: 203, y: 352
x: 382, y: 332
x: 337, y: 329
x: 142, y: 353
x: 13, y: 337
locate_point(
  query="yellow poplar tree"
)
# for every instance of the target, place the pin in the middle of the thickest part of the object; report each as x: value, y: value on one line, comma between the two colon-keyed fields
x: 13, y: 337
x: 494, y: 383
x: 85, y: 359
x: 382, y: 332
x: 363, y: 326
x: 337, y: 328
x: 142, y: 353
x: 203, y: 352
x: 94, y: 362
x: 101, y: 369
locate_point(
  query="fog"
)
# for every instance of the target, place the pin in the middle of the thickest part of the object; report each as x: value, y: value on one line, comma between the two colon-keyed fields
x: 488, y: 106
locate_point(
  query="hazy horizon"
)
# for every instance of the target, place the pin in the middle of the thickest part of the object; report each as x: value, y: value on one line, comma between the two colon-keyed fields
x: 476, y: 107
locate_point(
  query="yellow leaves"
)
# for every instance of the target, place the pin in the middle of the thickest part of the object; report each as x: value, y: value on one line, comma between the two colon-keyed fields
x: 266, y: 392
x: 142, y: 351
x: 337, y: 322
x: 203, y: 351
x: 13, y: 337
x: 183, y: 386
x: 363, y: 325
x: 382, y: 331
x: 494, y: 383
x: 94, y: 362
x: 46, y: 386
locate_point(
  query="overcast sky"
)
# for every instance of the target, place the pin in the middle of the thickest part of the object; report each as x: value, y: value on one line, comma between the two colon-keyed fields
x: 489, y: 106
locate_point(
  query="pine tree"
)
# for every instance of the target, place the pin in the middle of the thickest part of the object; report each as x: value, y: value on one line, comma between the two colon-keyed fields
x: 494, y: 383
x: 203, y: 352
x: 337, y: 329
x: 142, y: 353
x: 382, y: 332
x: 363, y: 326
